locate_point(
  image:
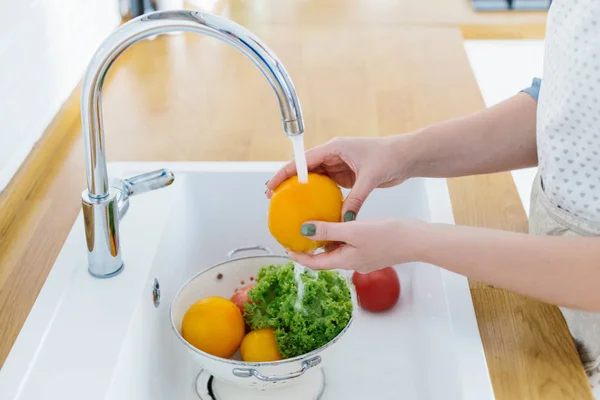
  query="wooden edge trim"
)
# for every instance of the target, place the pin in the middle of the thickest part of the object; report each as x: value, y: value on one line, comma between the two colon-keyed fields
x: 503, y: 32
x: 39, y: 158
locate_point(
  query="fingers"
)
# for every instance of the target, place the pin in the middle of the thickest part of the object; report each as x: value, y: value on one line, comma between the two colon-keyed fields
x: 314, y: 158
x: 335, y: 259
x: 355, y: 199
x: 328, y: 231
x: 284, y: 173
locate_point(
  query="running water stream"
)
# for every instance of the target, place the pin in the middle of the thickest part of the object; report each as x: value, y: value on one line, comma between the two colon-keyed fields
x: 300, y: 157
x: 298, y: 271
x: 302, y: 172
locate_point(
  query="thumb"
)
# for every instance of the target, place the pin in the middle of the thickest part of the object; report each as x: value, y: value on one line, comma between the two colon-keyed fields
x: 327, y: 231
x: 355, y: 199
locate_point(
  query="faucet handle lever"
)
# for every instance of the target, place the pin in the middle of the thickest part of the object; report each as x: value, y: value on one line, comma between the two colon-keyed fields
x: 140, y: 184
x: 149, y: 181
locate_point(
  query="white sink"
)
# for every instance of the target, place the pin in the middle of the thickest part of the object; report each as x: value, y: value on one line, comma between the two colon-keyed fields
x: 87, y: 338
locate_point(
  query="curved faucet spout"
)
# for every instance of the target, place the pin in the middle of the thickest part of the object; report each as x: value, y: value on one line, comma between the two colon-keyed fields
x: 104, y: 205
x: 170, y: 21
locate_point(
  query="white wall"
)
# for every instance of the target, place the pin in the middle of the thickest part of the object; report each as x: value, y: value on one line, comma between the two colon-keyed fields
x: 502, y: 68
x: 45, y: 46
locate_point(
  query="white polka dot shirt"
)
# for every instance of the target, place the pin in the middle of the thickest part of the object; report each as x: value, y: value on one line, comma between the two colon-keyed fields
x: 568, y: 115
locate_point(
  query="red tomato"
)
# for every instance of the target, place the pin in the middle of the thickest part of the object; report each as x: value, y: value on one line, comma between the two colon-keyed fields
x: 240, y: 297
x: 377, y: 290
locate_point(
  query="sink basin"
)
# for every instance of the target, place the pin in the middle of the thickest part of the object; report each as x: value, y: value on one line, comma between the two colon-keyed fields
x: 89, y: 338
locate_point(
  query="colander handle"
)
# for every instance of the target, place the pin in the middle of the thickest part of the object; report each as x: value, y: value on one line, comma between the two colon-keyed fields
x: 250, y: 372
x: 264, y: 249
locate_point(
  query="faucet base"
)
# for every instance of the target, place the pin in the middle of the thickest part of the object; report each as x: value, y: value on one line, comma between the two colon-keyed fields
x: 106, y: 276
x: 101, y: 219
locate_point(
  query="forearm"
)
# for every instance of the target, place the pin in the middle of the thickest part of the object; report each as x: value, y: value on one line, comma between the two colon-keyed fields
x: 560, y: 270
x: 499, y: 138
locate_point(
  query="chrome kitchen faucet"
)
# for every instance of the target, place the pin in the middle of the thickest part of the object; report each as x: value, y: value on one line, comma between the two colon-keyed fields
x: 105, y: 204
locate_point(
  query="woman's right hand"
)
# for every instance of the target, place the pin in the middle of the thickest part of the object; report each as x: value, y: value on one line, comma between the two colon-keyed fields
x: 361, y: 164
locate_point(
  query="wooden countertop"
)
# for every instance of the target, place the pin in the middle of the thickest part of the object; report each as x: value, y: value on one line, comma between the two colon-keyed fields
x: 362, y: 13
x: 360, y: 67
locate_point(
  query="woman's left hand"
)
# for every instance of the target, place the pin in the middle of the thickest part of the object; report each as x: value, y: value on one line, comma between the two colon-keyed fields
x: 363, y: 245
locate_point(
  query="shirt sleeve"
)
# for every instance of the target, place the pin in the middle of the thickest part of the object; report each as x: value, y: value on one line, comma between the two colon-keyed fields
x: 534, y: 89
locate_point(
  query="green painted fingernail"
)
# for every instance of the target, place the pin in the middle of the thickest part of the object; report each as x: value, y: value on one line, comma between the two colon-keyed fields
x: 349, y: 216
x: 308, y: 230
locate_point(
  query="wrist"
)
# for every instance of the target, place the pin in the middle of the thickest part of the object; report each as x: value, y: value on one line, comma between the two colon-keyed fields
x: 403, y: 152
x: 418, y: 239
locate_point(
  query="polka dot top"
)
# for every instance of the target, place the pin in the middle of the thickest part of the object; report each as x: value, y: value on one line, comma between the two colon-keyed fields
x: 568, y: 115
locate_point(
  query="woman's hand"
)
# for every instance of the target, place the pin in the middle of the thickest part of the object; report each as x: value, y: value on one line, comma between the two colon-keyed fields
x: 558, y: 270
x: 364, y: 245
x: 361, y: 164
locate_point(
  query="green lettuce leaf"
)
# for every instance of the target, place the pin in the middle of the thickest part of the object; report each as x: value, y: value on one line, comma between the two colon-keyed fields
x: 325, y: 311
